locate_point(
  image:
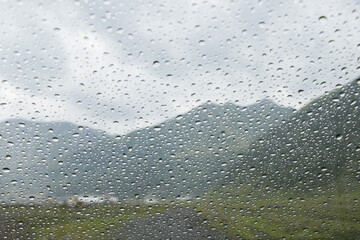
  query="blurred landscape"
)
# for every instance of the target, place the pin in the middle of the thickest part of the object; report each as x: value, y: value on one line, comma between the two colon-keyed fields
x: 262, y: 171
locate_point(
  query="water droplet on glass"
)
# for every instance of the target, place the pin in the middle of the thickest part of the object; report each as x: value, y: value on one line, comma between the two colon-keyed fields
x: 156, y: 64
x: 323, y: 19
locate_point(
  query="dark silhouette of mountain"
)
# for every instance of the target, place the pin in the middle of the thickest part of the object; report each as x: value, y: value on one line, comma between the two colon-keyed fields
x: 317, y: 145
x: 184, y: 155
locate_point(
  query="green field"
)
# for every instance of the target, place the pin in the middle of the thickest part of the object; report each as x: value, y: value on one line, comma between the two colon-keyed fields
x: 97, y: 221
x: 263, y: 214
x: 240, y: 211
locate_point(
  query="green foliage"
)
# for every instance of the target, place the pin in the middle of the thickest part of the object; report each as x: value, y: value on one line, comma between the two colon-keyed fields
x: 257, y: 213
x: 62, y: 222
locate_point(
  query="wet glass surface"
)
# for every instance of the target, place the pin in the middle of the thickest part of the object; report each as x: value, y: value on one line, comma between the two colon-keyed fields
x: 179, y: 120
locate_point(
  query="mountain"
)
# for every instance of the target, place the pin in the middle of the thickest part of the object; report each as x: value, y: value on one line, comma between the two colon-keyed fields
x: 185, y: 155
x: 317, y: 145
x: 181, y: 156
x: 32, y: 154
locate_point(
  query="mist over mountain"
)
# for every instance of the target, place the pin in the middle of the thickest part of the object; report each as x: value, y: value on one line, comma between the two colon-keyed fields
x: 185, y: 155
x: 32, y: 154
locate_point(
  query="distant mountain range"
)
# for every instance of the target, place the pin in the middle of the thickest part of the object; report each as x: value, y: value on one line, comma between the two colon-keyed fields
x: 210, y: 146
x: 32, y: 155
x: 185, y: 155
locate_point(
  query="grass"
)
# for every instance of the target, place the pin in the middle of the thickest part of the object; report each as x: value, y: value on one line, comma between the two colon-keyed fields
x: 263, y: 214
x: 240, y: 211
x: 98, y: 221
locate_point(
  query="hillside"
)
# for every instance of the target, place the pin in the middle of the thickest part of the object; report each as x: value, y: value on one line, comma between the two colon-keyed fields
x: 315, y: 146
x: 185, y: 155
x: 33, y: 153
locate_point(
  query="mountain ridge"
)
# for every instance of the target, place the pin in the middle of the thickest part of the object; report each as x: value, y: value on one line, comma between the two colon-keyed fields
x: 313, y: 147
x: 187, y: 153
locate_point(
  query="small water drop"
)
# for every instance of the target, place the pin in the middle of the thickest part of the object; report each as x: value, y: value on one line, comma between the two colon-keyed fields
x: 156, y: 64
x: 339, y: 137
x: 323, y: 19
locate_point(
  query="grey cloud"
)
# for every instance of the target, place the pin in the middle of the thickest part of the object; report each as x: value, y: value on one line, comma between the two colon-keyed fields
x: 213, y: 50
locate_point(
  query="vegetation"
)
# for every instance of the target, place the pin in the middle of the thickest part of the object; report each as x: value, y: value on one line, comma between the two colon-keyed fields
x: 240, y: 211
x: 249, y: 213
x: 299, y: 180
x: 63, y: 222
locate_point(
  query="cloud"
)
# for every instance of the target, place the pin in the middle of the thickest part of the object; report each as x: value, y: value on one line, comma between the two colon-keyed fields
x: 120, y: 66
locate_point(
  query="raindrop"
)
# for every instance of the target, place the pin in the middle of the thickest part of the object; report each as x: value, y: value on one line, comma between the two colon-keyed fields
x: 339, y: 136
x: 323, y: 19
x: 156, y: 64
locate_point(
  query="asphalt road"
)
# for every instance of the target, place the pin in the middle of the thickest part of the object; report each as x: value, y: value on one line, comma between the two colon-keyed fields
x: 175, y: 223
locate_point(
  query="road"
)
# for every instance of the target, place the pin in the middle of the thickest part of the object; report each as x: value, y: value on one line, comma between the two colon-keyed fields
x: 175, y: 223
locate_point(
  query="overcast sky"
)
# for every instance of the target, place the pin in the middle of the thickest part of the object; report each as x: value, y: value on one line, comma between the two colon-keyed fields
x: 122, y: 65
